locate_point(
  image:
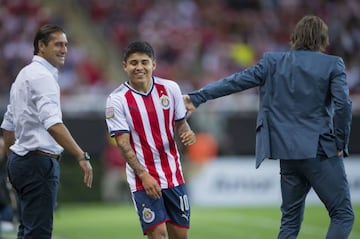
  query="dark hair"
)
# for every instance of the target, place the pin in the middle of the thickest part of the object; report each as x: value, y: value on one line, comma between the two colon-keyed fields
x: 44, y: 35
x: 310, y: 33
x: 140, y: 47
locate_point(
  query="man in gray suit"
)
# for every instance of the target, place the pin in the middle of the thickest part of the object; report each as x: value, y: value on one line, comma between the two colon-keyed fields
x: 304, y: 120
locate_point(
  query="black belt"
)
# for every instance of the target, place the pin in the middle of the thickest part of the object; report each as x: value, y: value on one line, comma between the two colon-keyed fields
x: 55, y: 156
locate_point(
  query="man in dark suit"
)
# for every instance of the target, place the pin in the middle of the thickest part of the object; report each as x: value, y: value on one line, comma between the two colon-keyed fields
x: 304, y: 120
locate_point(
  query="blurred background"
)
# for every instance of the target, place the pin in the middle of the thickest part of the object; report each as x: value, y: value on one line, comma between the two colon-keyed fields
x: 196, y: 42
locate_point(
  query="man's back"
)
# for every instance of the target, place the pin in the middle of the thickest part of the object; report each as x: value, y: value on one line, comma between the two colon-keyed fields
x: 296, y: 103
x: 304, y: 102
x: 304, y: 120
x: 300, y: 84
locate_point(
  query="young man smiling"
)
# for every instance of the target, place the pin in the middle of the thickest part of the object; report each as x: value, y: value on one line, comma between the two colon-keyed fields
x: 143, y: 114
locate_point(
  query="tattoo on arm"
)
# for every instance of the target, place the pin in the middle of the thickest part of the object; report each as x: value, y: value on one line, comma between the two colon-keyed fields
x: 182, y: 126
x: 130, y: 156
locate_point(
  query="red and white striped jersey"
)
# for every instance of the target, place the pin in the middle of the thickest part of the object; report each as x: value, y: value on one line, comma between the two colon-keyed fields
x: 150, y: 119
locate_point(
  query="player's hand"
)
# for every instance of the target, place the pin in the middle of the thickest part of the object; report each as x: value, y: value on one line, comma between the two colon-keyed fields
x: 87, y: 171
x: 151, y: 186
x: 188, y: 137
x: 190, y: 108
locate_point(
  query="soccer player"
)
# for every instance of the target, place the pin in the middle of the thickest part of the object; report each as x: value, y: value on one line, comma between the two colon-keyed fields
x: 143, y: 115
x: 304, y: 120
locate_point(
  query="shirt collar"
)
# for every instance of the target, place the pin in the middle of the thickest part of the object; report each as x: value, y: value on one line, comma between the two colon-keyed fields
x: 54, y: 71
x: 140, y: 92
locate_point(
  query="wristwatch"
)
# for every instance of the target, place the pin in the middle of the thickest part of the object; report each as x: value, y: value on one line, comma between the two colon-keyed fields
x: 85, y: 156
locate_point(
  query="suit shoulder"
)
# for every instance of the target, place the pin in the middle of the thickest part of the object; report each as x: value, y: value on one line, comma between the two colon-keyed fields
x: 329, y: 59
x: 270, y: 56
x: 275, y: 54
x: 332, y: 57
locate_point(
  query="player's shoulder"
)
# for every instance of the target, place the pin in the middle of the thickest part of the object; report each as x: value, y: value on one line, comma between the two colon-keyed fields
x: 160, y: 80
x: 120, y: 90
x: 165, y: 82
x: 118, y: 93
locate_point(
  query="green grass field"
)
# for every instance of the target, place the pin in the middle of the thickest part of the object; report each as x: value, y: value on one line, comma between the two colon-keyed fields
x: 99, y: 221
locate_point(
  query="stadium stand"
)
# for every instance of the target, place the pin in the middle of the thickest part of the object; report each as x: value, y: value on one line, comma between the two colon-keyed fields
x: 196, y: 40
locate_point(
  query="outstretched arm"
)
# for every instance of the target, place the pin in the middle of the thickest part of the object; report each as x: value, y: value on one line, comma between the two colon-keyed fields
x: 190, y: 108
x: 248, y: 78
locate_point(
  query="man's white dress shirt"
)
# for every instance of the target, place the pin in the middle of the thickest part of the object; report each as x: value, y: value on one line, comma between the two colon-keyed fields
x: 34, y: 107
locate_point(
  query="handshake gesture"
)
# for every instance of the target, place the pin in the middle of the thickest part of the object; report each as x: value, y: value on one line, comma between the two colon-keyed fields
x: 190, y: 108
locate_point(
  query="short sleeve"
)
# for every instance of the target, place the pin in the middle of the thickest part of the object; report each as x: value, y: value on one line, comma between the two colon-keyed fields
x: 115, y: 115
x: 180, y: 110
x: 46, y: 97
x: 8, y: 122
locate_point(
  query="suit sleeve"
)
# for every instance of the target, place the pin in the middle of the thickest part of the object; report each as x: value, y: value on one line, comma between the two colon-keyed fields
x: 342, y: 106
x: 250, y: 77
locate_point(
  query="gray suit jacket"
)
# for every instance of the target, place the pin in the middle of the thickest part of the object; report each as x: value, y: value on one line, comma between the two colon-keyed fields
x: 304, y: 103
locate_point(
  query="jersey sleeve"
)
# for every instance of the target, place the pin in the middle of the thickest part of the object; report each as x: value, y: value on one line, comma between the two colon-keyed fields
x: 116, y: 116
x: 180, y: 110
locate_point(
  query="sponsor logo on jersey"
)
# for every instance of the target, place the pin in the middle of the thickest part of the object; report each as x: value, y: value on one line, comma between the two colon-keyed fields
x: 164, y: 100
x: 148, y: 215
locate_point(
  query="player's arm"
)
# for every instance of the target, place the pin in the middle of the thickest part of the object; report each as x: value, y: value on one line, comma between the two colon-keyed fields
x: 151, y: 186
x: 185, y: 133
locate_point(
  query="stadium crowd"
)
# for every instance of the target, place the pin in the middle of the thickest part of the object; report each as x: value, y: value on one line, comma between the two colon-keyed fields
x: 18, y: 21
x: 200, y: 40
x: 196, y: 41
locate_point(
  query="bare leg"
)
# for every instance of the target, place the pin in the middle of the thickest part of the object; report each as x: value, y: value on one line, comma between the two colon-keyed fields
x: 159, y: 232
x: 176, y: 232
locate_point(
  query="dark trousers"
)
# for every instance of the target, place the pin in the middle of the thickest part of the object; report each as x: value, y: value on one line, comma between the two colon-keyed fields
x: 328, y: 179
x: 36, y: 181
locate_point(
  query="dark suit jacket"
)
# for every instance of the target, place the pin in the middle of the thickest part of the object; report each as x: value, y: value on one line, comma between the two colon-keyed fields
x: 304, y: 103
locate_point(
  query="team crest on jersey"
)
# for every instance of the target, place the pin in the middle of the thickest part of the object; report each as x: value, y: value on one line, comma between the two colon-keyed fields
x: 148, y: 215
x: 109, y: 112
x: 164, y: 100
